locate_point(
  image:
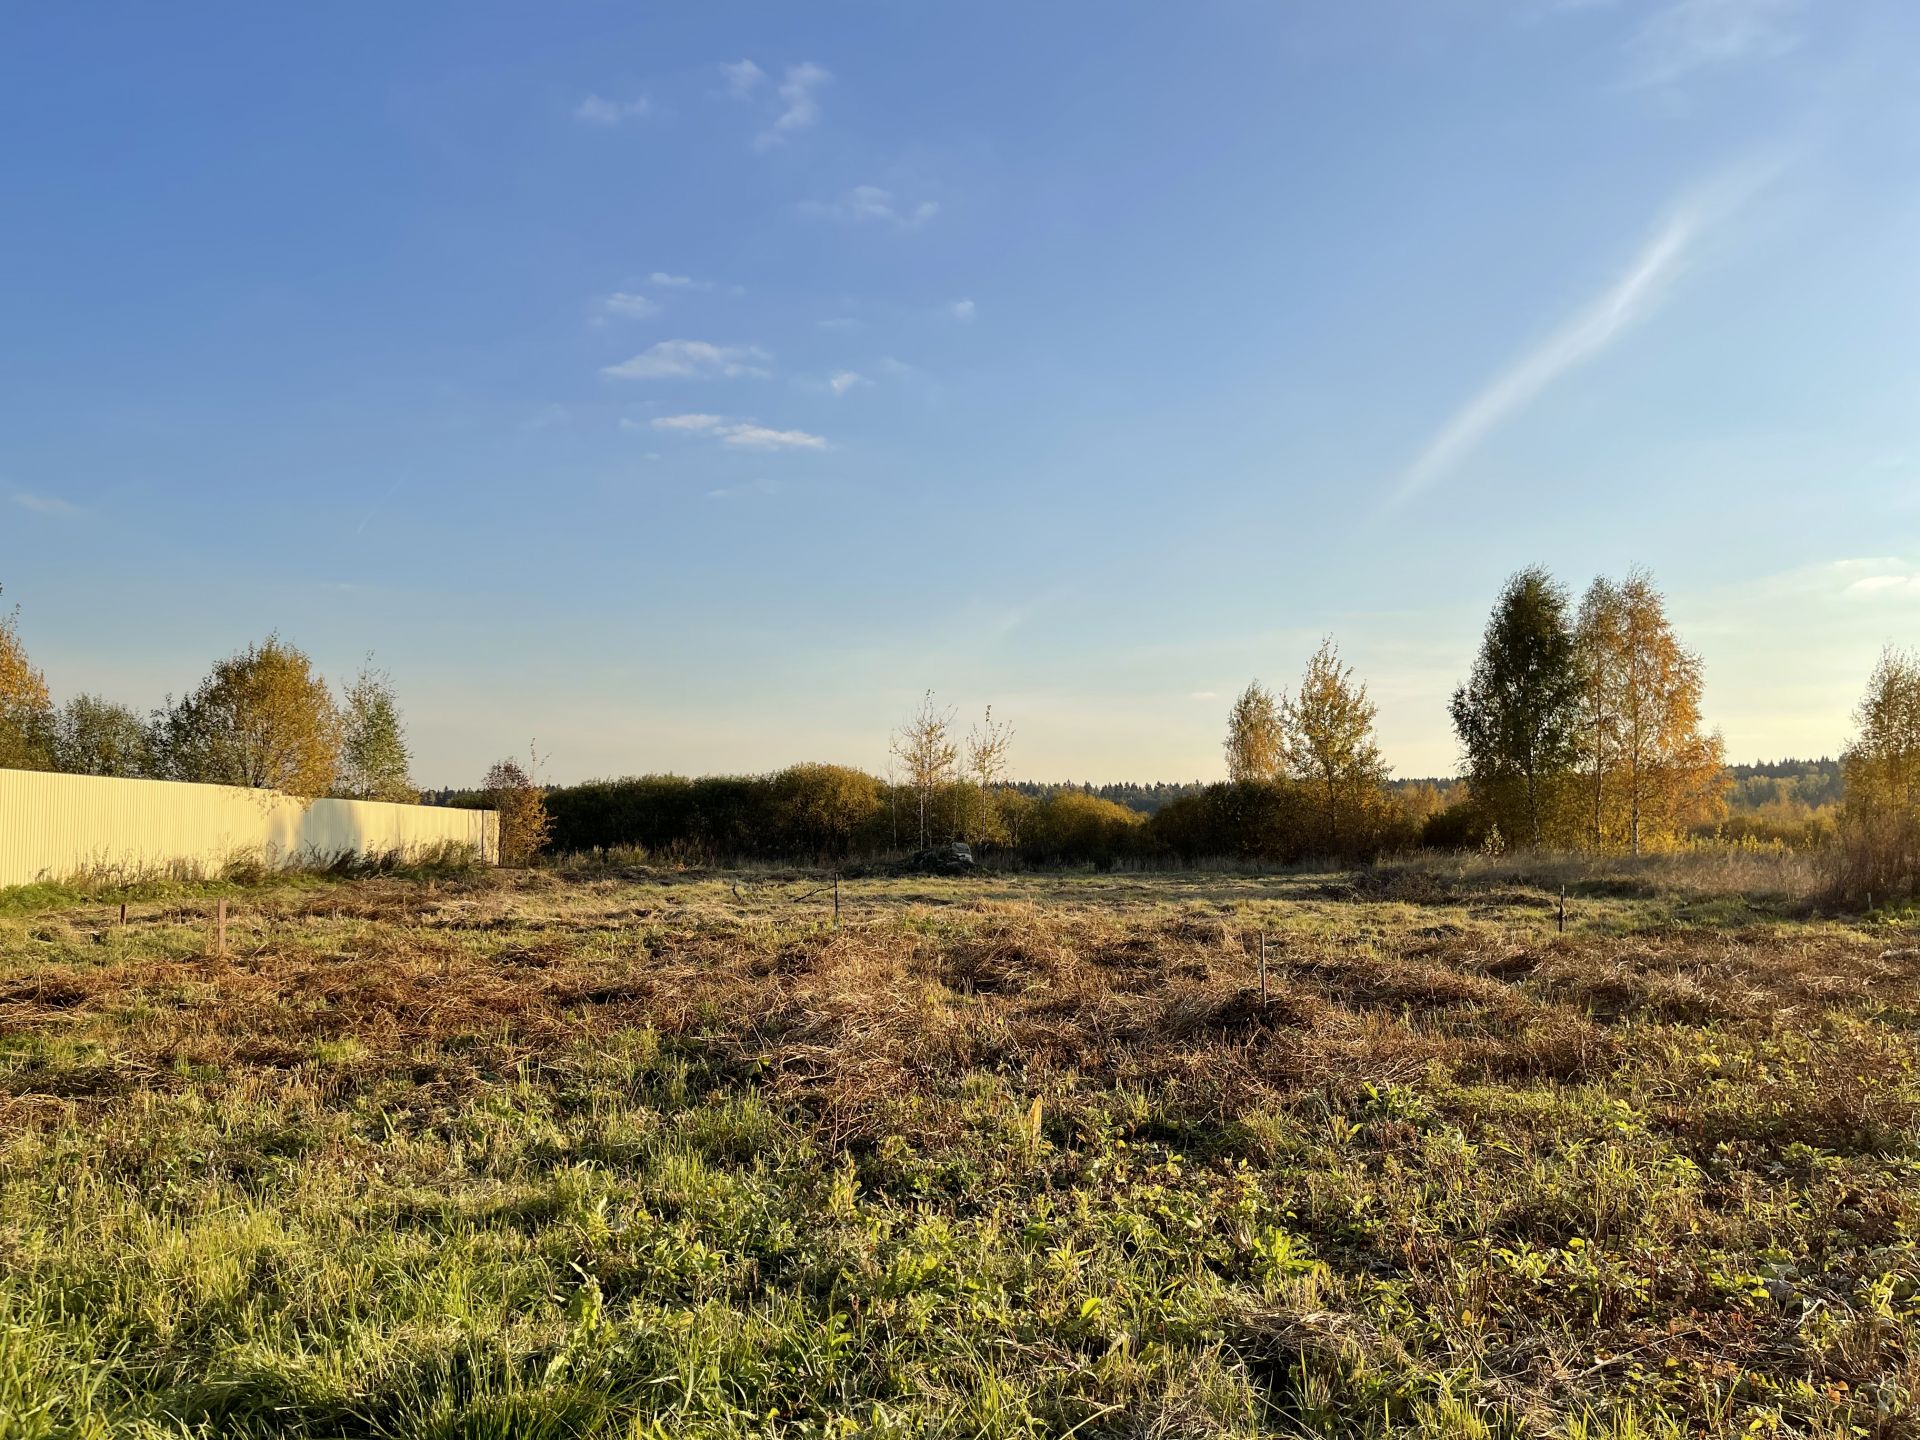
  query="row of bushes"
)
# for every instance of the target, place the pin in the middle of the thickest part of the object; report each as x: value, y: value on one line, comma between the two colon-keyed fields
x: 829, y: 812
x: 833, y: 813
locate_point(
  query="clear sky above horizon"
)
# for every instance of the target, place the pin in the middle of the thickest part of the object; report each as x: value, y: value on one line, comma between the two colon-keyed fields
x: 690, y: 386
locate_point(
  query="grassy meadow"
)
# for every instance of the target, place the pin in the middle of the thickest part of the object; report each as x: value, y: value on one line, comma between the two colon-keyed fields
x: 624, y: 1153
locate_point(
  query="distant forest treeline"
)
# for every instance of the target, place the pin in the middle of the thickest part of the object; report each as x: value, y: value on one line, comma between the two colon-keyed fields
x: 1767, y: 783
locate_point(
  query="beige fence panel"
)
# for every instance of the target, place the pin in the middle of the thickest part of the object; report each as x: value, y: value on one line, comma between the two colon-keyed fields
x: 53, y: 827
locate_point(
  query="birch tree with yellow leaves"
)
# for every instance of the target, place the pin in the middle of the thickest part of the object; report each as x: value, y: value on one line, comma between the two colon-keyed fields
x: 26, y: 709
x: 1879, y: 850
x: 1331, y: 748
x: 1256, y: 742
x: 1648, y: 770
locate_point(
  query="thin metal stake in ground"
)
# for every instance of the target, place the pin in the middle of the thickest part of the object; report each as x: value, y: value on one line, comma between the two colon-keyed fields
x: 220, y: 928
x: 1263, y: 968
x: 1563, y: 909
x: 836, y: 899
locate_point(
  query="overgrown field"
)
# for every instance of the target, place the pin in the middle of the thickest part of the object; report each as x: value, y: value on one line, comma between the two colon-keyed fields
x: 630, y: 1154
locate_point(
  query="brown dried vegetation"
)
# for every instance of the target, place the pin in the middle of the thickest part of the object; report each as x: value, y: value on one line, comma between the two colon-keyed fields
x: 1646, y: 1172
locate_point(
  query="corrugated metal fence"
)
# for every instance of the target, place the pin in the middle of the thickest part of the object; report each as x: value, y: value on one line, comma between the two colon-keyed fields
x: 53, y: 827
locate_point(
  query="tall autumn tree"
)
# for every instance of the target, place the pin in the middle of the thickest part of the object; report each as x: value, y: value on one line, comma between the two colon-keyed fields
x: 1332, y: 751
x: 26, y: 709
x: 1648, y: 769
x: 1518, y: 715
x: 1879, y: 840
x: 1256, y: 742
x: 263, y: 718
x: 375, y: 762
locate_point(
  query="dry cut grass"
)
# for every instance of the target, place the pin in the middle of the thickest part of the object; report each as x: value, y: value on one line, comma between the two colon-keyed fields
x: 624, y: 1153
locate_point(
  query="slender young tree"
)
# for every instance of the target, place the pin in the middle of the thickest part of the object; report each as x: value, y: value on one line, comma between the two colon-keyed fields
x: 1256, y: 742
x: 988, y: 746
x: 1330, y: 742
x: 1599, y: 640
x: 893, y: 798
x: 375, y: 762
x: 1518, y: 716
x: 923, y: 744
x: 26, y: 709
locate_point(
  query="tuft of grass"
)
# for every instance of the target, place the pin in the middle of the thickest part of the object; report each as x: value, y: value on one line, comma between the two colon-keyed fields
x: 243, y: 874
x: 1774, y: 876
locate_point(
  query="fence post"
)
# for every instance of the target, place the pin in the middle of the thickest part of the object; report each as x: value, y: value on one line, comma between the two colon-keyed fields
x: 1563, y: 909
x: 1263, y: 969
x: 220, y: 927
x: 836, y: 899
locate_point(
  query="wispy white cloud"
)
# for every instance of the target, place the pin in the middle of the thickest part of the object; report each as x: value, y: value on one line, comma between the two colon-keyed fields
x: 743, y: 78
x: 628, y: 305
x: 841, y: 381
x: 741, y: 434
x: 594, y: 110
x: 1204, y: 695
x: 45, y: 504
x: 692, y: 360
x: 1885, y: 585
x: 801, y: 108
x: 1884, y: 577
x: 963, y: 311
x: 662, y: 280
x: 1847, y: 581
x: 1691, y: 35
x: 873, y: 203
x: 760, y: 437
x: 740, y: 492
x: 1632, y: 297
x: 1590, y: 332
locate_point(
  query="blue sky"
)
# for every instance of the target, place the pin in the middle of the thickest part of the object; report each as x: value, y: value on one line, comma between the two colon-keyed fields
x: 690, y: 386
